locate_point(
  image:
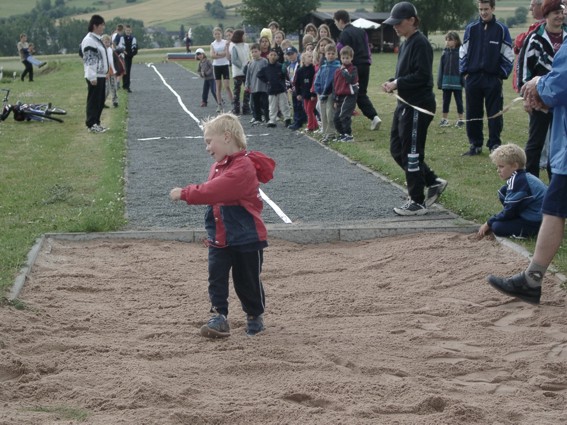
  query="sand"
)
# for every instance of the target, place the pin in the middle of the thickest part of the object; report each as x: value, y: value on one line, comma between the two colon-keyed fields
x: 397, y: 330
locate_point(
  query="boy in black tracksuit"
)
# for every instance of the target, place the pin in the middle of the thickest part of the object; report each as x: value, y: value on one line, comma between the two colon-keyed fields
x: 274, y: 75
x: 414, y: 83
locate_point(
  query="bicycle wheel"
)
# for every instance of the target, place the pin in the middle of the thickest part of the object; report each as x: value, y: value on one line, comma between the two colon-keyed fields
x: 40, y: 116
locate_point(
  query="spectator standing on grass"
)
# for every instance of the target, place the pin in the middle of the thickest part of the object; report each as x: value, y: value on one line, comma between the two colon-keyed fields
x: 414, y: 83
x: 278, y: 38
x: 205, y: 71
x: 188, y: 41
x: 304, y: 89
x: 536, y: 59
x: 110, y: 86
x: 450, y: 80
x: 130, y: 49
x: 345, y: 91
x: 236, y: 233
x: 258, y: 89
x: 274, y: 76
x: 27, y: 58
x: 219, y: 55
x: 118, y: 45
x: 96, y: 67
x: 521, y: 196
x: 542, y: 93
x: 323, y: 31
x: 240, y: 56
x: 323, y: 87
x: 486, y: 58
x: 299, y: 116
x: 357, y: 39
x: 537, y: 14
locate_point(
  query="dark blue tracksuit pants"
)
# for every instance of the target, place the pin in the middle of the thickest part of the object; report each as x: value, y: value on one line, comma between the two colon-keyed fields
x: 246, y: 268
x: 484, y: 90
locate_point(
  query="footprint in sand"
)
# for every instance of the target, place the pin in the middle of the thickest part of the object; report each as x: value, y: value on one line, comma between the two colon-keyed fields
x: 510, y: 318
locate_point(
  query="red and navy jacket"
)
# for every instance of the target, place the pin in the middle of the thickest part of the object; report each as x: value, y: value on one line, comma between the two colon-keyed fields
x: 233, y: 216
x: 345, y: 82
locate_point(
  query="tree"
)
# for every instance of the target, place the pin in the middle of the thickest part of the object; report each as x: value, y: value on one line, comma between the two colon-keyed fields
x: 216, y: 9
x: 521, y: 15
x: 202, y: 35
x: 288, y: 14
x: 436, y: 15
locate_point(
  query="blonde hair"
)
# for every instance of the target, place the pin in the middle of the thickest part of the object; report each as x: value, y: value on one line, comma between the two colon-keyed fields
x: 304, y: 55
x: 226, y: 122
x: 509, y: 154
x: 285, y: 44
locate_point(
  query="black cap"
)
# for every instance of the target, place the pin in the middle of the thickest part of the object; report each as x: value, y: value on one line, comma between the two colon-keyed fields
x: 401, y: 11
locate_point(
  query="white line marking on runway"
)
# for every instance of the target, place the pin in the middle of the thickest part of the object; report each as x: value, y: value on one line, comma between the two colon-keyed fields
x: 145, y: 139
x: 265, y: 197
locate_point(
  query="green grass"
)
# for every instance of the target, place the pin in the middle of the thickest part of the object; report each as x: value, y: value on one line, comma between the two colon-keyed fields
x: 58, y: 178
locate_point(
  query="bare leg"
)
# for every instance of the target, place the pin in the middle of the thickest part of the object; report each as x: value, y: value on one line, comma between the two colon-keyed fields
x: 226, y: 84
x: 549, y: 239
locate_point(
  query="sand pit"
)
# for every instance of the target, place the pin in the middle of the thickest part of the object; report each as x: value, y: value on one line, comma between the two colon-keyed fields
x: 392, y: 331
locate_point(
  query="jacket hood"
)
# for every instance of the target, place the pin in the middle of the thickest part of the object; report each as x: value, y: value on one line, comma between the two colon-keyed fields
x: 264, y: 165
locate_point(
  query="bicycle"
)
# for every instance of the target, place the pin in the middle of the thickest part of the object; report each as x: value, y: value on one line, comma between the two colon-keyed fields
x: 30, y: 111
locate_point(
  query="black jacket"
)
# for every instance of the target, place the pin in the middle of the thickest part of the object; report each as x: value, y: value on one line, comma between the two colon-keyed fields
x: 304, y: 82
x: 274, y: 76
x: 357, y: 39
x: 414, y: 72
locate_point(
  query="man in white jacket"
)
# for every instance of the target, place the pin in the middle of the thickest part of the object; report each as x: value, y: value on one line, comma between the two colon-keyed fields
x: 95, y: 61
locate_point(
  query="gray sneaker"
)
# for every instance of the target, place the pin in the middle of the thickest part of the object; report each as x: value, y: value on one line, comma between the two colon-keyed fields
x: 411, y: 208
x: 254, y: 324
x: 434, y: 191
x: 216, y: 327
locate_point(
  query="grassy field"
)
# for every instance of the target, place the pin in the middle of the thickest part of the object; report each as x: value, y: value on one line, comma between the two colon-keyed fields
x: 58, y: 178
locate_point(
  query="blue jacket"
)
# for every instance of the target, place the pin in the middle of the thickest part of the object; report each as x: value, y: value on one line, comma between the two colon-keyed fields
x: 487, y: 50
x: 325, y: 76
x: 522, y: 197
x: 552, y: 88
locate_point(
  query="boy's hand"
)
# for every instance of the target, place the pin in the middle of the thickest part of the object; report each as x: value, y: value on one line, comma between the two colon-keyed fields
x: 175, y: 194
x: 484, y: 230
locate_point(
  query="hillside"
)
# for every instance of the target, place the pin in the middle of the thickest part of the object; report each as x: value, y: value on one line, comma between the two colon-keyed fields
x: 158, y: 12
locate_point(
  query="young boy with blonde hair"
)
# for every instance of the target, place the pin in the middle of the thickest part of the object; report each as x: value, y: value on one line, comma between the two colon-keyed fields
x: 236, y: 234
x: 521, y: 196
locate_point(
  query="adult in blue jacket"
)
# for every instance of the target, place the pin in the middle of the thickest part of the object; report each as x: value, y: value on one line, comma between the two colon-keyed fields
x: 486, y: 58
x: 541, y: 93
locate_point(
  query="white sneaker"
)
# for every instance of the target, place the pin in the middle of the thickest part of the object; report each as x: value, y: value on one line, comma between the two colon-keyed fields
x: 97, y: 129
x: 375, y: 124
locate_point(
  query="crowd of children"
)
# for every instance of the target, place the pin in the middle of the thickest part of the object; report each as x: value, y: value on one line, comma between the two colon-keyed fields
x: 313, y: 90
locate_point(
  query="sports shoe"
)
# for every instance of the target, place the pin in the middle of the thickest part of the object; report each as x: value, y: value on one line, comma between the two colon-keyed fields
x: 97, y: 129
x: 375, y: 124
x: 219, y: 109
x: 444, y: 123
x: 203, y: 104
x: 346, y: 138
x: 411, y: 208
x: 254, y: 324
x: 434, y: 191
x: 256, y: 122
x: 493, y: 148
x: 115, y: 104
x: 271, y: 124
x: 473, y: 151
x: 216, y: 327
x: 460, y: 124
x: 294, y: 127
x: 516, y: 286
x: 326, y: 139
x: 42, y: 64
